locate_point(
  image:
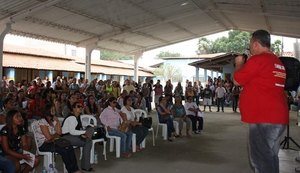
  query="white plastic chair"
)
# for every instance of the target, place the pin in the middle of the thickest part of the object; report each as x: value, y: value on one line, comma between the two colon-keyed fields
x: 86, y: 120
x: 48, y: 156
x: 165, y: 128
x: 112, y: 140
x: 141, y: 113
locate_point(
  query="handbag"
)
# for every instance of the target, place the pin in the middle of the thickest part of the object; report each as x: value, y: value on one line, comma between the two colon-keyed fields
x: 124, y: 126
x: 62, y: 142
x: 146, y: 122
x: 99, y: 133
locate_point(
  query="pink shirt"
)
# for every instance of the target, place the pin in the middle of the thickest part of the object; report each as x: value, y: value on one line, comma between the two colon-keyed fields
x: 110, y: 117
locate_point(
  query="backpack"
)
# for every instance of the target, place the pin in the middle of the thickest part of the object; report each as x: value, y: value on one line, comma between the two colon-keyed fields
x: 292, y: 68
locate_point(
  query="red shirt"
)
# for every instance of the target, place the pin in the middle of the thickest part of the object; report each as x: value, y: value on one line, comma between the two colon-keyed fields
x: 262, y: 99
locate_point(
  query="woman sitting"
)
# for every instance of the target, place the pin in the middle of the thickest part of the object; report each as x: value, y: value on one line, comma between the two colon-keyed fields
x: 164, y: 115
x: 180, y: 116
x: 48, y: 133
x: 73, y: 132
x: 136, y: 127
x: 14, y: 141
x: 111, y: 118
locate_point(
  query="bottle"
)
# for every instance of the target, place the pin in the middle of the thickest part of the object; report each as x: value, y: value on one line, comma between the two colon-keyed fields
x: 44, y: 170
x: 96, y: 157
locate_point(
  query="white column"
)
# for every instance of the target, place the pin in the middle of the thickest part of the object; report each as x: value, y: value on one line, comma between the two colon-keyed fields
x: 197, y: 74
x: 5, y: 30
x: 205, y: 75
x: 212, y: 74
x: 88, y: 53
x: 136, y: 57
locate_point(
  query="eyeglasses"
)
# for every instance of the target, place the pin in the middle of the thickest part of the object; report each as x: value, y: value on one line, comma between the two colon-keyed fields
x: 78, y: 106
x: 115, y: 102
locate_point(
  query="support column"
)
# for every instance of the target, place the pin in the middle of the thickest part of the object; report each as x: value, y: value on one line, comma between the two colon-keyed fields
x: 197, y: 74
x: 88, y: 53
x: 10, y: 73
x: 212, y: 74
x: 136, y: 58
x: 2, y: 36
x: 205, y: 75
x: 50, y: 75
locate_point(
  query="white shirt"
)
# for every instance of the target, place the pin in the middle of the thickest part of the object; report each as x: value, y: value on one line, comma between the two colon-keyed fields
x: 40, y: 137
x: 130, y: 114
x: 188, y: 105
x: 220, y: 92
x: 70, y: 125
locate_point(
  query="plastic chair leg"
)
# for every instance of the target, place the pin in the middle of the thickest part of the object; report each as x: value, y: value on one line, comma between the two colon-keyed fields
x: 133, y: 141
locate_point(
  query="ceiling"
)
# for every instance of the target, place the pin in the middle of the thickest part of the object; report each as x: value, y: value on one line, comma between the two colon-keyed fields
x: 130, y: 26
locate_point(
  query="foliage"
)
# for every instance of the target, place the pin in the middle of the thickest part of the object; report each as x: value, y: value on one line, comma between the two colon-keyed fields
x: 237, y: 42
x: 167, y: 71
x: 110, y: 55
x: 277, y: 47
x: 167, y: 54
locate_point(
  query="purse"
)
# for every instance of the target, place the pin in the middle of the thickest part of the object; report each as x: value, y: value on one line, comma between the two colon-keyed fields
x: 146, y: 122
x: 124, y: 126
x: 62, y: 142
x: 99, y: 133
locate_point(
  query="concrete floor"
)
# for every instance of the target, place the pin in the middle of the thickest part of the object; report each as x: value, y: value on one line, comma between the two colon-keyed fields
x: 221, y: 148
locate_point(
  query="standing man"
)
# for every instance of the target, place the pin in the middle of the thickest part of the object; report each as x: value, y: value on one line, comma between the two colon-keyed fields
x: 263, y: 75
x: 207, y: 97
x: 220, y: 95
x: 158, y: 91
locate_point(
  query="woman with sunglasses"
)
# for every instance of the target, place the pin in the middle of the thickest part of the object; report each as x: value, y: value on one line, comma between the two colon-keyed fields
x: 73, y: 132
x: 111, y: 118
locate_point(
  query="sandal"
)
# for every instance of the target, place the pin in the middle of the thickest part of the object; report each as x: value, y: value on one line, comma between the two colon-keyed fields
x: 89, y: 170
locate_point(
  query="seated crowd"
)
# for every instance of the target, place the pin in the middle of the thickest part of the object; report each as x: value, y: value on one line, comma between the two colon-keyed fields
x: 112, y: 105
x: 47, y: 103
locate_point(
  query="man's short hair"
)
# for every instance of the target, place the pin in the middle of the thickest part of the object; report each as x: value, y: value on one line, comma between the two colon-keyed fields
x: 263, y: 37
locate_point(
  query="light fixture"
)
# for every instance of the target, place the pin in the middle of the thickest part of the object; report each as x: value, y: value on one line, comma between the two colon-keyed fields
x: 184, y: 3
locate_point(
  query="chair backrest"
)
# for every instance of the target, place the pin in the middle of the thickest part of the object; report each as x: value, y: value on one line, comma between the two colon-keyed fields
x: 88, y: 120
x: 34, y: 127
x: 140, y: 113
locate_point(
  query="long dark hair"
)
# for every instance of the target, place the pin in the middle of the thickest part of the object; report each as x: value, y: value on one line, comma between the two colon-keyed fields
x: 125, y: 100
x: 109, y: 100
x: 92, y: 108
x: 9, y: 124
x: 47, y: 113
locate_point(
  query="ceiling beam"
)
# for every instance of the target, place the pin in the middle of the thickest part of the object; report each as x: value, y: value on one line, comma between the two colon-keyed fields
x: 160, y: 18
x: 58, y: 26
x: 262, y: 7
x: 211, y: 15
x: 233, y: 26
x: 28, y: 11
x: 126, y: 43
x: 41, y: 37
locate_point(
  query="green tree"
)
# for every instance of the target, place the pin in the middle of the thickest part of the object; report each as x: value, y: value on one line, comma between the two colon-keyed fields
x: 277, y: 47
x: 167, y: 54
x: 110, y: 55
x: 236, y: 41
x: 168, y: 71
